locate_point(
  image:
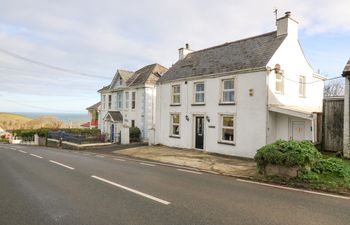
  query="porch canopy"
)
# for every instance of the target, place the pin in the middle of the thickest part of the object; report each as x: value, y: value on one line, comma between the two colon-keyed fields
x: 114, y: 116
x: 296, y: 111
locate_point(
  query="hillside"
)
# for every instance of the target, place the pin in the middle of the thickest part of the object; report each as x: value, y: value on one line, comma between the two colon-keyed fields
x: 9, y: 121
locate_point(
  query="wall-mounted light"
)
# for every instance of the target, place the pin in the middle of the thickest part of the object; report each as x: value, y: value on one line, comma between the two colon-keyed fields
x: 207, y: 118
x: 187, y: 118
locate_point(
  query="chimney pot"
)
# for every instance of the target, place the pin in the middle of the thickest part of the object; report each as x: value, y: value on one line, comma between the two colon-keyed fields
x: 187, y: 46
x: 288, y: 13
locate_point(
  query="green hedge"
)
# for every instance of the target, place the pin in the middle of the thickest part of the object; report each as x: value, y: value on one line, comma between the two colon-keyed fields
x: 287, y: 153
x: 3, y: 140
x: 134, y: 133
x: 43, y: 132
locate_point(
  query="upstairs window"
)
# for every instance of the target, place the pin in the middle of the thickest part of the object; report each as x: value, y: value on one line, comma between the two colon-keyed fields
x: 120, y: 100
x: 279, y: 83
x: 302, y: 86
x: 133, y: 100
x: 175, y: 94
x: 104, y: 102
x: 199, y: 93
x: 228, y: 91
x: 127, y: 100
x: 109, y: 101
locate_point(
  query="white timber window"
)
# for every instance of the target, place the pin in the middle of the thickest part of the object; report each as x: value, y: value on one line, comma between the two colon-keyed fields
x: 227, y: 129
x: 279, y: 83
x: 175, y: 94
x: 302, y: 86
x: 127, y: 100
x: 228, y: 92
x: 109, y: 101
x: 175, y: 124
x: 133, y: 100
x: 104, y: 101
x: 120, y: 100
x: 199, y: 93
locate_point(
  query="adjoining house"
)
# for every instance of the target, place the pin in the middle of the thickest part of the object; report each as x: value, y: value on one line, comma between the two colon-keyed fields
x: 346, y: 134
x: 93, y: 112
x: 236, y: 97
x: 130, y: 101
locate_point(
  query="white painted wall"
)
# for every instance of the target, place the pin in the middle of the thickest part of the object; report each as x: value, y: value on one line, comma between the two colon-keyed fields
x: 142, y: 114
x: 250, y: 114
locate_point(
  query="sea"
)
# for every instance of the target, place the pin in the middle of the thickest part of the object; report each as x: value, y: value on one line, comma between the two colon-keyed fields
x: 68, y: 118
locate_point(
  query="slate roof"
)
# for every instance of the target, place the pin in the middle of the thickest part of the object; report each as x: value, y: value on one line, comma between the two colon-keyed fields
x: 147, y: 75
x: 346, y: 71
x: 104, y: 88
x: 94, y: 106
x: 116, y: 116
x: 249, y: 53
x: 125, y: 74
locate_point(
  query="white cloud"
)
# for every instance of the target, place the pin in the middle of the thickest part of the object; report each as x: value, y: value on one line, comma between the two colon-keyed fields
x: 100, y: 36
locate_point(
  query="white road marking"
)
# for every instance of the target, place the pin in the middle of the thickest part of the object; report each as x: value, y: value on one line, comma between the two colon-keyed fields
x: 294, y: 189
x: 189, y: 171
x: 101, y: 156
x: 119, y: 159
x: 22, y: 151
x: 147, y: 164
x: 13, y: 149
x: 36, y: 156
x: 132, y: 190
x: 60, y: 164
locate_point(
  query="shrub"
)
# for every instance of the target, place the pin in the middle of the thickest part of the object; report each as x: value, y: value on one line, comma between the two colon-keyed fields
x: 134, y: 133
x: 332, y: 166
x: 3, y: 140
x: 287, y: 153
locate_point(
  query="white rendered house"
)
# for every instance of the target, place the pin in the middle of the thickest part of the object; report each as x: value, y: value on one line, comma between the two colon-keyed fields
x: 129, y: 101
x: 236, y: 97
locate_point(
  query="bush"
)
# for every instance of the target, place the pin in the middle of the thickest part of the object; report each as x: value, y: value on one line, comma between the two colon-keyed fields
x: 287, y: 153
x: 332, y: 166
x: 134, y: 133
x: 3, y: 140
x: 43, y: 132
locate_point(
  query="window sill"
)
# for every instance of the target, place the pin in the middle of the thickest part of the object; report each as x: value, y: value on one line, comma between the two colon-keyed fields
x: 175, y: 104
x: 171, y: 136
x: 226, y: 143
x: 279, y: 93
x: 198, y: 104
x: 227, y: 103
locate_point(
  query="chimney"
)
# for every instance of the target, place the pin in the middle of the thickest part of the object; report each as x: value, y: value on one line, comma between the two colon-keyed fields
x: 287, y: 25
x: 184, y: 51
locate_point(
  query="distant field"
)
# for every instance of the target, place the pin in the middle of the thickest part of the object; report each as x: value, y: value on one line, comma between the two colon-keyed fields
x: 9, y: 121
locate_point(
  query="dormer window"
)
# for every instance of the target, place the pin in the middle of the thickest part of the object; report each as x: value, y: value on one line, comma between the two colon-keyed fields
x: 120, y: 82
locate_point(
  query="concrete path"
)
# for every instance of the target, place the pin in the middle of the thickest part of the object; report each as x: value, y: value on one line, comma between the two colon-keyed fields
x: 226, y: 165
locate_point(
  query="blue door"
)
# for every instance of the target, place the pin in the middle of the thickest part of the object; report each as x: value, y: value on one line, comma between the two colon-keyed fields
x: 112, y: 133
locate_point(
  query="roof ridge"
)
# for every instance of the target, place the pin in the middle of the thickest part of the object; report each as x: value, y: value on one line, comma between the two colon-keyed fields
x: 231, y: 42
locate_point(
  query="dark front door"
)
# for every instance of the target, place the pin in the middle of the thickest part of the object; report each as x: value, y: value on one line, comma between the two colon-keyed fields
x: 199, y: 132
x: 112, y: 133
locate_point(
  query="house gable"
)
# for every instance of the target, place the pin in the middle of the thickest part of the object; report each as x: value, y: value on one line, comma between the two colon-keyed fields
x: 120, y: 79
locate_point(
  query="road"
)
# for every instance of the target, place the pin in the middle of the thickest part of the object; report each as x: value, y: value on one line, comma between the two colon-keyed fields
x: 50, y: 186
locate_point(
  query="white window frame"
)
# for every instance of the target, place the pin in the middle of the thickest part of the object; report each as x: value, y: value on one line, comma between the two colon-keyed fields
x: 223, y: 90
x: 175, y: 94
x: 104, y: 101
x: 279, y: 79
x: 302, y: 86
x: 198, y: 92
x: 109, y: 101
x: 120, y: 100
x: 172, y: 124
x: 127, y: 100
x: 222, y: 127
x: 133, y: 100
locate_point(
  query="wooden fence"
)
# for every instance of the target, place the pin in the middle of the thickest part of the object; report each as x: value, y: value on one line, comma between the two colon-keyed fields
x: 333, y: 124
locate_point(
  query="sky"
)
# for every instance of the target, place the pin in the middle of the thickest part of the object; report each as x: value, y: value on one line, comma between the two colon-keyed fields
x: 92, y: 39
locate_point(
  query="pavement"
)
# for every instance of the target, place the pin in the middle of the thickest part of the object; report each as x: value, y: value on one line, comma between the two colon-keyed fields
x: 220, y: 164
x: 54, y: 186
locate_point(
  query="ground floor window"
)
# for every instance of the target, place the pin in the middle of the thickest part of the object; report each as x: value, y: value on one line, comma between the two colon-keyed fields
x: 132, y: 123
x: 227, y: 128
x: 175, y: 125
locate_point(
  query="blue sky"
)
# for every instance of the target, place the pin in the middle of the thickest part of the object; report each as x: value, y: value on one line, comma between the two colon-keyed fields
x: 97, y: 37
